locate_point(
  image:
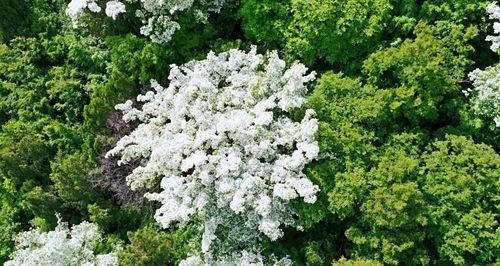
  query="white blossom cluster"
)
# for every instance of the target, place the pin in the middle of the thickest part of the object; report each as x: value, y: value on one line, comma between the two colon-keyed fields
x: 486, y: 91
x: 220, y: 141
x: 494, y: 12
x: 157, y: 16
x: 61, y: 247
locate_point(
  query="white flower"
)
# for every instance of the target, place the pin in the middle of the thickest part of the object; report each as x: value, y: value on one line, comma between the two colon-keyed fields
x: 114, y: 8
x: 75, y: 10
x: 194, y: 160
x: 219, y: 139
x: 263, y: 205
x: 284, y: 191
x: 305, y: 188
x: 92, y: 6
x: 271, y: 228
x: 75, y: 7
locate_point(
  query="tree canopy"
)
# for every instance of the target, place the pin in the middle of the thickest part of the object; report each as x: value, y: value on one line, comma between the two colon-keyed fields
x: 252, y: 132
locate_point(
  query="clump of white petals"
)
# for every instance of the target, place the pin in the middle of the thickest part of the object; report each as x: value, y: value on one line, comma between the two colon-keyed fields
x: 158, y: 16
x: 62, y: 246
x: 114, y: 8
x: 494, y: 12
x: 219, y: 139
x: 486, y: 91
x: 76, y: 9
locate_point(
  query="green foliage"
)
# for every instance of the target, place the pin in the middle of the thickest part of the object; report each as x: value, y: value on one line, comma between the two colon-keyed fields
x: 46, y: 78
x: 343, y: 33
x: 356, y: 262
x: 71, y: 177
x: 151, y: 246
x: 461, y: 180
x: 423, y: 74
x: 344, y: 107
x: 400, y: 203
x: 375, y: 183
x: 8, y: 226
x: 45, y: 83
x: 336, y: 31
x: 318, y: 30
x: 460, y: 11
x: 11, y: 12
x: 29, y: 18
x: 392, y: 208
x: 263, y: 21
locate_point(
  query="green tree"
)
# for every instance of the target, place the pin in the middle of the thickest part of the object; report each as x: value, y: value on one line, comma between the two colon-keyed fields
x: 424, y: 75
x: 460, y: 181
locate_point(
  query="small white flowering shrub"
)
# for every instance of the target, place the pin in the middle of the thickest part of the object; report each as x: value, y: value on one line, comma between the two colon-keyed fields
x: 220, y: 142
x: 158, y: 17
x: 486, y: 91
x: 61, y: 247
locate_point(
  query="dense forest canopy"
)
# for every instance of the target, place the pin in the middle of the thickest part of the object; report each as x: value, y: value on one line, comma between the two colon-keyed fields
x: 249, y: 132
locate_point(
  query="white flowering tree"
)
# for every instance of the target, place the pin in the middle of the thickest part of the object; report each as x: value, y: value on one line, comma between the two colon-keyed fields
x: 486, y: 91
x: 60, y: 247
x: 220, y: 143
x: 158, y: 17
